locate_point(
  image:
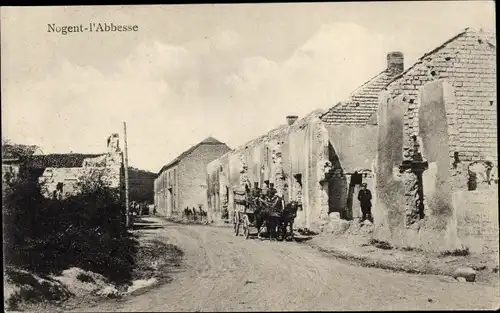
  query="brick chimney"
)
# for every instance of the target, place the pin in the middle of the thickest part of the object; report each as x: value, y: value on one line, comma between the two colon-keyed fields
x: 290, y: 119
x: 395, y: 63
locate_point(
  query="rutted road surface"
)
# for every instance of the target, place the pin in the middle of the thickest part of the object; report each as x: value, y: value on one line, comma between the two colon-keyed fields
x: 222, y: 272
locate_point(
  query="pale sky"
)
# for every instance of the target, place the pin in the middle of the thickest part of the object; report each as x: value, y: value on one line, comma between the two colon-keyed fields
x: 191, y: 71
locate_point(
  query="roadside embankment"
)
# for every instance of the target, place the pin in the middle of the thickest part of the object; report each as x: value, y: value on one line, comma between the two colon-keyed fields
x: 74, y: 287
x: 353, y: 242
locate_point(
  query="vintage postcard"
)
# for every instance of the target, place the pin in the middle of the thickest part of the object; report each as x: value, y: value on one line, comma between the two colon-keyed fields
x: 250, y: 157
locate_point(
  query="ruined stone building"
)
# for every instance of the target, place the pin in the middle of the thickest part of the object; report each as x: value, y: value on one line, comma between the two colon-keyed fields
x: 318, y: 160
x: 14, y: 156
x: 61, y: 174
x: 352, y: 128
x: 182, y: 182
x: 443, y: 111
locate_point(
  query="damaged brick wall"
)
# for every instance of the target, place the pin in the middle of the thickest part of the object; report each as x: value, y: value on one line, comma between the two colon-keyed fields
x: 468, y: 63
x: 437, y: 229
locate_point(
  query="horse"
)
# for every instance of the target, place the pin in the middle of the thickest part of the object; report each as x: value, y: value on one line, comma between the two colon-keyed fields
x: 194, y: 213
x: 187, y: 212
x: 288, y: 216
x: 267, y: 216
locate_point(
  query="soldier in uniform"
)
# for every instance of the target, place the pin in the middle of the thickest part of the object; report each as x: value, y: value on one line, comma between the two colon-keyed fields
x: 273, y: 203
x: 255, y: 190
x: 365, y: 200
x: 255, y: 194
x: 273, y: 198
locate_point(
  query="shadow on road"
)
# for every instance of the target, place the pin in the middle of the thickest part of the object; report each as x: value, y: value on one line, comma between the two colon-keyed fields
x: 141, y: 226
x: 141, y: 220
x: 302, y: 238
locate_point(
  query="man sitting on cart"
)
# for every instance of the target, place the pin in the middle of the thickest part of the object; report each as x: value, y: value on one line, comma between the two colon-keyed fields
x: 254, y: 195
x: 273, y: 199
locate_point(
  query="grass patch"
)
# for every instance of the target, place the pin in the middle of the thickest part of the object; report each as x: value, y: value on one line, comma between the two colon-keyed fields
x: 463, y: 251
x: 156, y: 259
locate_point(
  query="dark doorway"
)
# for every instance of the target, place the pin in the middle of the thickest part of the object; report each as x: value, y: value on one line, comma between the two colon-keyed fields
x: 337, y: 185
x: 356, y: 181
x: 170, y: 200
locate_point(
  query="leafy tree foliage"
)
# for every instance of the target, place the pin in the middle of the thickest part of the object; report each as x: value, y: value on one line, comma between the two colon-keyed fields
x: 86, y: 230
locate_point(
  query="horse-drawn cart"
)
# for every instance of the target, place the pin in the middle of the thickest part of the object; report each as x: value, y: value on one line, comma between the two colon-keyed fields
x: 277, y: 219
x: 243, y: 214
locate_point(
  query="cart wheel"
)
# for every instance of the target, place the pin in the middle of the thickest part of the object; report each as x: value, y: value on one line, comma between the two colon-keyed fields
x: 281, y: 234
x: 246, y: 228
x: 236, y: 221
x: 289, y: 233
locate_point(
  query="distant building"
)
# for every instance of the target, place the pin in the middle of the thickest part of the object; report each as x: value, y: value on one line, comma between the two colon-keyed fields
x: 14, y: 155
x: 60, y: 174
x: 182, y: 182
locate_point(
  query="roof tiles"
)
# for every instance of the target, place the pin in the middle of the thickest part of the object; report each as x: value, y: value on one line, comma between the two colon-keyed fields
x: 361, y: 105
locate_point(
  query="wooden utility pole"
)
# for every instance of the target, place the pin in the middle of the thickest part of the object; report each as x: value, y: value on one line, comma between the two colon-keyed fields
x: 127, y: 205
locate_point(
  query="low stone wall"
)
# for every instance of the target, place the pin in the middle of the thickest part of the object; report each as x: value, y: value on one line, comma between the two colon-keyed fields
x: 477, y: 219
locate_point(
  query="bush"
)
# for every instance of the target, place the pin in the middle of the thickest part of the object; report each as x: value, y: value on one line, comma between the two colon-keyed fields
x: 87, y: 230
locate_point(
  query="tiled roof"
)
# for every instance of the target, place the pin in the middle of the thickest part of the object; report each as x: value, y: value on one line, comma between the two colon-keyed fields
x: 206, y: 141
x: 361, y: 107
x: 17, y: 151
x: 280, y: 130
x: 58, y: 160
x: 277, y: 132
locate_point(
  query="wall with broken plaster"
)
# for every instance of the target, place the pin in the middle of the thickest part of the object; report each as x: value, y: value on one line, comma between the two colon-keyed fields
x: 354, y: 145
x: 356, y: 150
x: 389, y: 200
x: 438, y: 230
x: 477, y: 220
x: 396, y: 215
x: 293, y: 157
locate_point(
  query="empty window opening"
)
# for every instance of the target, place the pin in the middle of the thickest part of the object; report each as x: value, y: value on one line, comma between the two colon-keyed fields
x: 456, y: 159
x: 298, y: 178
x: 356, y: 179
x: 472, y: 181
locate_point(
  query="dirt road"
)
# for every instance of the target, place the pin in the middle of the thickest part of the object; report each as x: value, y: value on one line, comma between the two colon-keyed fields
x: 222, y: 272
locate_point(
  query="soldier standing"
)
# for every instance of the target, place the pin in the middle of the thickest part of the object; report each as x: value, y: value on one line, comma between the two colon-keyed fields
x: 365, y: 200
x: 273, y: 197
